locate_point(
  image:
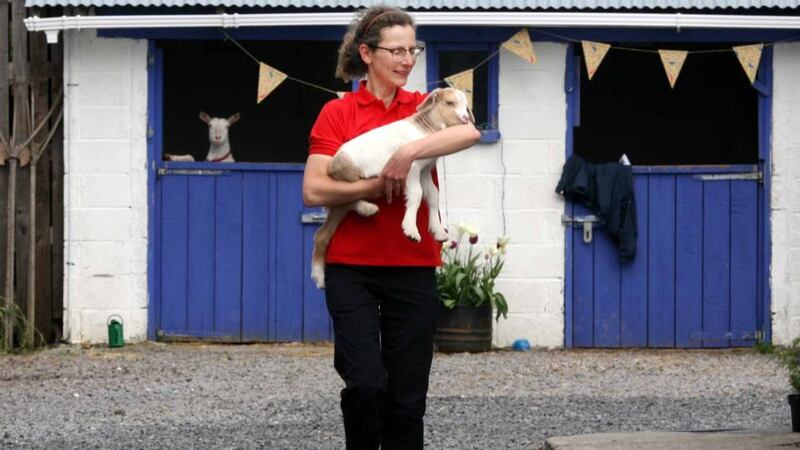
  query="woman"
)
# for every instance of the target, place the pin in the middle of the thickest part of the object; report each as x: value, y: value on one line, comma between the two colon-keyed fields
x: 380, y: 286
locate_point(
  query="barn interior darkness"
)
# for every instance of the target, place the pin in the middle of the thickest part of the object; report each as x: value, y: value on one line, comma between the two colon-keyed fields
x: 220, y: 79
x: 710, y: 117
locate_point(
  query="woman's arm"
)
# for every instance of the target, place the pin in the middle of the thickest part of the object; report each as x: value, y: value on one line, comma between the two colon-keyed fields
x: 440, y: 143
x: 321, y: 190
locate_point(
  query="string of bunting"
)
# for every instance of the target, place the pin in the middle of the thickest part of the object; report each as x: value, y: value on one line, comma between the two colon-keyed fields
x: 520, y: 44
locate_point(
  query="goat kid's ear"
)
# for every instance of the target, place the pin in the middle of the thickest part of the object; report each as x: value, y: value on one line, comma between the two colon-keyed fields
x: 204, y: 117
x: 233, y: 119
x: 471, y: 116
x: 430, y: 100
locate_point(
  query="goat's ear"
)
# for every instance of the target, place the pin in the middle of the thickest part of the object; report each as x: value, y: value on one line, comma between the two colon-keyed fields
x: 204, y: 117
x: 233, y: 119
x: 471, y: 116
x: 430, y: 100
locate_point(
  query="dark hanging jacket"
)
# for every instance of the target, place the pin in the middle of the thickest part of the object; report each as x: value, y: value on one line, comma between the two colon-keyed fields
x: 607, y: 190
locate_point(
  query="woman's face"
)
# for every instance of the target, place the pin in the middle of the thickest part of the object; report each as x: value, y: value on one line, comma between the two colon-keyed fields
x: 386, y: 68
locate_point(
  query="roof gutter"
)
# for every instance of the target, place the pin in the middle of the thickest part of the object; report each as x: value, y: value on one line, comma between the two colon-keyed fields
x: 52, y: 25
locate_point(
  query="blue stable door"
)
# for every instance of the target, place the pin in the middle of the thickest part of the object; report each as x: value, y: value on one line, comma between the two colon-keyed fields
x: 233, y: 255
x: 695, y: 281
x: 699, y: 276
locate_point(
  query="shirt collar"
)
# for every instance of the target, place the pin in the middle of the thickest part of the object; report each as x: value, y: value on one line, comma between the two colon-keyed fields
x: 365, y: 97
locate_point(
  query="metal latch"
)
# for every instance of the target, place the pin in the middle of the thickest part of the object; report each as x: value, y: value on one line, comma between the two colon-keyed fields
x: 314, y: 217
x: 757, y: 176
x: 587, y: 222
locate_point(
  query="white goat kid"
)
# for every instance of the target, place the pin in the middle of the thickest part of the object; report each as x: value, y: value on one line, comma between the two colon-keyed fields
x: 366, y: 155
x: 219, y: 149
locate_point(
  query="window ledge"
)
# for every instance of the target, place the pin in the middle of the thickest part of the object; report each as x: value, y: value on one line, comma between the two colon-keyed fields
x: 489, y: 136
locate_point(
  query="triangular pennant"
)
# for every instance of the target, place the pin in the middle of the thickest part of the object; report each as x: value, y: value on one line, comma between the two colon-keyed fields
x: 673, y: 62
x: 340, y: 94
x: 462, y: 81
x: 520, y: 44
x: 593, y: 53
x: 749, y: 57
x: 268, y: 79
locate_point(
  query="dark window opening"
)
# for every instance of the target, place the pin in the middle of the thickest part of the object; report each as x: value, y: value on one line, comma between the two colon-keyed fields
x: 452, y: 62
x: 710, y: 117
x: 220, y: 79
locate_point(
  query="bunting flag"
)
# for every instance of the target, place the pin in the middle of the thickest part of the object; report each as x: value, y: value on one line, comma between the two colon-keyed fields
x: 340, y: 94
x: 593, y: 54
x: 268, y: 79
x: 673, y: 62
x: 463, y: 81
x: 749, y: 57
x: 520, y: 44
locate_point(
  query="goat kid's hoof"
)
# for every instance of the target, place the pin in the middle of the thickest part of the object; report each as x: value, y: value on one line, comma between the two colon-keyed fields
x: 441, y: 236
x: 412, y: 233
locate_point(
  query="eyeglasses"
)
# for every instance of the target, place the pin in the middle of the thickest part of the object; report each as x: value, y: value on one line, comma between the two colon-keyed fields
x: 400, y: 53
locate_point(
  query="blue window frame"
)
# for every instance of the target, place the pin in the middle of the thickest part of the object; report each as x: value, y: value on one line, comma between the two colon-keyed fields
x: 447, y: 58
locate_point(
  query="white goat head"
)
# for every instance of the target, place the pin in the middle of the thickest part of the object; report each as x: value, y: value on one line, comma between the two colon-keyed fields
x: 220, y: 148
x: 449, y: 105
x: 218, y: 128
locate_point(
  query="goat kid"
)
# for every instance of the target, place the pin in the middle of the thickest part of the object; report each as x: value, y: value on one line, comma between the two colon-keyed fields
x: 219, y: 149
x: 365, y: 156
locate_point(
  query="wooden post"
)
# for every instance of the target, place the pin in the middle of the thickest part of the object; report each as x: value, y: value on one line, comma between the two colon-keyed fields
x: 57, y: 201
x: 39, y: 105
x: 20, y: 131
x: 5, y: 103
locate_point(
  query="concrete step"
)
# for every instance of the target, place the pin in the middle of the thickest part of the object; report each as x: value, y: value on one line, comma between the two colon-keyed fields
x: 737, y: 439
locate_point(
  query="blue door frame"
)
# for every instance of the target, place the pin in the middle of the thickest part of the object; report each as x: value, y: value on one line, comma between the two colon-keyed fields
x: 763, y: 253
x: 223, y: 264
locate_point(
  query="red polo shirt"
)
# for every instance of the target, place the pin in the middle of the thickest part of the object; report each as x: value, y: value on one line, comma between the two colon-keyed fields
x: 376, y: 240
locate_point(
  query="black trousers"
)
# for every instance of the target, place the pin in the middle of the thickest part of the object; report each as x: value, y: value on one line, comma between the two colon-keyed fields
x: 383, y: 322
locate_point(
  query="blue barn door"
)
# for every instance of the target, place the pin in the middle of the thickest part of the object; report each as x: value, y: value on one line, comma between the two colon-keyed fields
x: 697, y: 280
x: 233, y: 255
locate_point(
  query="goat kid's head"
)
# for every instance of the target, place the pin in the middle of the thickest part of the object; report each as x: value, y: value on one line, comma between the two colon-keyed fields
x: 218, y: 127
x: 449, y: 104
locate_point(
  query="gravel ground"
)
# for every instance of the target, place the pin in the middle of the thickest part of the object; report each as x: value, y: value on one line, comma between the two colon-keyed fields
x: 286, y: 396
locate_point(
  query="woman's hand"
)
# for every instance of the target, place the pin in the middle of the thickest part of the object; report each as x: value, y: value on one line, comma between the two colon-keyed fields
x: 393, y: 176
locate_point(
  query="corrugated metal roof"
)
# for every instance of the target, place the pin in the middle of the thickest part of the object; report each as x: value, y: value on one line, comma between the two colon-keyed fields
x: 461, y: 5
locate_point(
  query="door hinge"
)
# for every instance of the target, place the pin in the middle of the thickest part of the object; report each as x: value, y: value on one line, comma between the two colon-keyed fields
x: 315, y: 217
x: 757, y: 176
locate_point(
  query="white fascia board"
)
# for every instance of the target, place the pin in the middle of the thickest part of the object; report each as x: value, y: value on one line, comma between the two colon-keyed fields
x: 52, y: 25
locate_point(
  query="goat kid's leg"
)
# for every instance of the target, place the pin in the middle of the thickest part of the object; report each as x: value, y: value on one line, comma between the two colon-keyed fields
x: 321, y: 240
x: 413, y: 199
x: 431, y: 194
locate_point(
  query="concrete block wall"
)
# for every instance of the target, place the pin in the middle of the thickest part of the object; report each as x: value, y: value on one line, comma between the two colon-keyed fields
x: 105, y: 184
x: 508, y: 188
x: 785, y: 198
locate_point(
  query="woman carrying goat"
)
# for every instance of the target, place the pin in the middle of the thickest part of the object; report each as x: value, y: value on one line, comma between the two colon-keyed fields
x: 380, y: 285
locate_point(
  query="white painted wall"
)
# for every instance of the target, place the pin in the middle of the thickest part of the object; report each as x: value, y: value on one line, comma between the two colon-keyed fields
x: 785, y: 198
x: 509, y: 188
x: 105, y: 186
